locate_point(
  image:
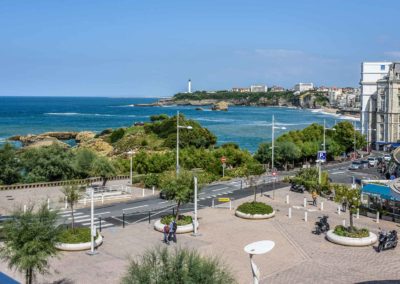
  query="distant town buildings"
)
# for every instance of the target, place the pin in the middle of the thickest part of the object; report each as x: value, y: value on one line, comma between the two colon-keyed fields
x: 302, y: 87
x: 371, y: 73
x: 384, y: 109
x: 258, y: 88
x: 241, y: 90
x: 277, y: 89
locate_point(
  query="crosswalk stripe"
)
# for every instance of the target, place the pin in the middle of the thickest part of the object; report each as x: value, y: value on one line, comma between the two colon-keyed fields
x: 82, y: 220
x: 69, y: 214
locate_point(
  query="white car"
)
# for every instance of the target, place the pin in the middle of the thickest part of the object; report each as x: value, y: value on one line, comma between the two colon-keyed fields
x: 372, y: 161
x: 387, y: 157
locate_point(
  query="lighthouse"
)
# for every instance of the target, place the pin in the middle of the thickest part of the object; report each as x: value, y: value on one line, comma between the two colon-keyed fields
x: 189, y: 86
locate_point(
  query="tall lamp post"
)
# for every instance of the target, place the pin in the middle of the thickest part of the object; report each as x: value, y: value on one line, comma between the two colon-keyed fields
x: 177, y: 140
x: 324, y: 148
x: 130, y: 153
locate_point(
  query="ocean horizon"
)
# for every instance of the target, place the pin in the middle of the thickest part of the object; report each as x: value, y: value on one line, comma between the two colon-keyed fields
x: 246, y: 126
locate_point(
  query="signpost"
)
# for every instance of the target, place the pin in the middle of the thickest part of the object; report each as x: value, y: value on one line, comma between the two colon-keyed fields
x: 321, y: 158
x: 223, y: 161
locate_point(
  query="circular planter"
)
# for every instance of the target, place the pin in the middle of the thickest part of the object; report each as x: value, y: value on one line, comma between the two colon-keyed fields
x: 353, y: 242
x: 255, y: 216
x: 80, y: 246
x: 180, y: 230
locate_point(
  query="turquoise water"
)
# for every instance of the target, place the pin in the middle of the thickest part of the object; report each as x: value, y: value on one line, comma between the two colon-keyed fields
x: 247, y: 126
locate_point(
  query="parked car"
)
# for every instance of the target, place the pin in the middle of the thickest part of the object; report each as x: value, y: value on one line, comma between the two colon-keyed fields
x: 373, y: 161
x: 387, y: 157
x: 355, y: 165
x: 364, y: 164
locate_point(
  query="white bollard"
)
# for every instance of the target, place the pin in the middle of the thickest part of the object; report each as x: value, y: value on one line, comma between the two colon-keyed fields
x: 102, y: 198
x: 305, y: 216
x: 305, y: 202
x: 344, y: 223
x: 290, y: 212
x: 338, y: 210
x: 84, y: 201
x: 153, y: 189
x: 212, y: 203
x: 287, y: 199
x: 48, y: 203
x: 322, y: 206
x: 25, y: 208
x: 377, y: 217
x: 230, y: 205
x: 66, y: 203
x: 358, y: 213
x: 143, y: 192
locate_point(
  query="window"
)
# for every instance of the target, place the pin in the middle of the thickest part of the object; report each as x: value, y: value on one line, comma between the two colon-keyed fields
x: 383, y: 67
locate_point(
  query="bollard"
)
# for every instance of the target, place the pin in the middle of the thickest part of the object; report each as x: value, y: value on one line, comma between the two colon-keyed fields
x: 149, y: 216
x: 358, y: 213
x: 230, y: 205
x: 102, y: 198
x: 305, y: 202
x: 287, y: 199
x: 377, y: 217
x: 66, y: 203
x: 322, y: 206
x: 143, y: 192
x: 344, y: 223
x: 153, y: 189
x: 241, y: 184
x: 48, y: 203
x: 212, y: 203
x: 338, y: 210
x: 123, y: 220
x: 84, y: 201
x: 290, y: 212
x: 305, y: 216
x: 25, y: 208
x: 100, y: 223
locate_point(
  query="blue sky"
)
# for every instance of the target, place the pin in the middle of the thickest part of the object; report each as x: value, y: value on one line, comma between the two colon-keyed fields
x: 150, y: 48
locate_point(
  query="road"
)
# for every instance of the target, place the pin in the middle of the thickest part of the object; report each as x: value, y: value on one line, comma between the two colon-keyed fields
x: 153, y: 207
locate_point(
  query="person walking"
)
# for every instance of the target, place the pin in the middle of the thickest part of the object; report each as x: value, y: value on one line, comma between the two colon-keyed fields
x: 314, y: 197
x: 172, y: 231
x: 166, y: 231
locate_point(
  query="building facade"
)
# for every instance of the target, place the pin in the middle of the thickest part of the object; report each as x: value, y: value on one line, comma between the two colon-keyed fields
x: 371, y: 72
x: 258, y: 88
x: 303, y: 87
x: 241, y: 90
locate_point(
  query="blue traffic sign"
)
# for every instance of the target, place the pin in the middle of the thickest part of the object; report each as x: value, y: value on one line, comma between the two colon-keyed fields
x: 321, y: 156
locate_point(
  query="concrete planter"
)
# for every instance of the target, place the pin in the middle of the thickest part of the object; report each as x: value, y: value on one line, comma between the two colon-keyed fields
x: 180, y: 230
x: 255, y: 216
x: 353, y: 242
x: 80, y: 246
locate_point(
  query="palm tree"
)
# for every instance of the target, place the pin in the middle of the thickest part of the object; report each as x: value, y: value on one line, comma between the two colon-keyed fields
x: 29, y: 241
x: 72, y: 194
x: 160, y: 265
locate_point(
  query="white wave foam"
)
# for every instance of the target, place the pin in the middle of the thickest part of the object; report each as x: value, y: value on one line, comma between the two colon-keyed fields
x: 87, y: 114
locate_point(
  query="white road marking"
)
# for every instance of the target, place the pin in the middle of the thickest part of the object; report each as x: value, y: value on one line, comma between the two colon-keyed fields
x: 220, y: 188
x: 141, y: 206
x: 121, y: 219
x: 336, y: 173
x: 82, y: 220
x: 69, y: 214
x: 162, y: 202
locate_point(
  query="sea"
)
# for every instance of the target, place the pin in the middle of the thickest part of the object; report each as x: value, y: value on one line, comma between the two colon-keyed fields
x: 246, y: 126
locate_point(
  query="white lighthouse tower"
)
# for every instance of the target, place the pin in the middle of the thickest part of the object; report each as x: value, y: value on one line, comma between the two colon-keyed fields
x: 189, y: 86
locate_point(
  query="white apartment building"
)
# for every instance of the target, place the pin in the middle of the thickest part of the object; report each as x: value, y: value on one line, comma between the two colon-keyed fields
x: 258, y: 88
x: 302, y: 87
x: 371, y: 72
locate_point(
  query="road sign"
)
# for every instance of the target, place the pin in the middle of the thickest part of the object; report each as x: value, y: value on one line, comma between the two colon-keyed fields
x: 223, y: 159
x: 321, y: 157
x: 224, y: 199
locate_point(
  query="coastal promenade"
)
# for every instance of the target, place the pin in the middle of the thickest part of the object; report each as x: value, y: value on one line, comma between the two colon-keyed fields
x: 298, y: 257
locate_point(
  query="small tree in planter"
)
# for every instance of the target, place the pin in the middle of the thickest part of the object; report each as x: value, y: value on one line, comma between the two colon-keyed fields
x: 179, y: 188
x: 351, y: 198
x: 72, y: 194
x: 250, y: 171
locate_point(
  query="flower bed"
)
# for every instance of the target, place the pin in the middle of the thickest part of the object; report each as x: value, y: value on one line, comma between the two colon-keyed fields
x: 77, y: 240
x: 254, y: 210
x: 185, y: 224
x: 182, y: 220
x: 355, y: 237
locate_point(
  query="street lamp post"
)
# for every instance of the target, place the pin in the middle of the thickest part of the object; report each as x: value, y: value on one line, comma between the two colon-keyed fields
x: 130, y: 153
x: 177, y: 140
x: 324, y: 148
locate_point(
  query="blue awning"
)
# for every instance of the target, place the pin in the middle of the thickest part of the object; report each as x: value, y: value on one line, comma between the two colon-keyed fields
x: 383, y: 191
x: 5, y: 279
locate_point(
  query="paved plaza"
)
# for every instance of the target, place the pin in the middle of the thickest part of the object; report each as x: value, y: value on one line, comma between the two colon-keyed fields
x: 298, y: 256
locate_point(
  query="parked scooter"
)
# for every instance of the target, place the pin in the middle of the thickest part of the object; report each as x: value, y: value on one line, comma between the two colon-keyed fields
x: 321, y: 226
x: 387, y: 240
x: 297, y: 188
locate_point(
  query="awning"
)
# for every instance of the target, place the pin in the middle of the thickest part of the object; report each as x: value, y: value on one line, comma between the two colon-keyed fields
x: 383, y: 191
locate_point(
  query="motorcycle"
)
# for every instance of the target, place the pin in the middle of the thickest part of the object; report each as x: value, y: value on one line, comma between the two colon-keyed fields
x: 387, y: 240
x: 297, y: 188
x: 321, y: 226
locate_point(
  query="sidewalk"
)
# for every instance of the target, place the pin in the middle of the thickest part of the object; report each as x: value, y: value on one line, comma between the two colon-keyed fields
x: 298, y: 256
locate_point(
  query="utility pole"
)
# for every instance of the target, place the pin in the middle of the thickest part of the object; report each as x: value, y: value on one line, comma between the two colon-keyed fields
x: 177, y: 143
x: 273, y: 143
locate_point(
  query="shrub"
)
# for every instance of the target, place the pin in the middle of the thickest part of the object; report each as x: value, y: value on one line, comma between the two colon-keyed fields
x: 255, y: 208
x: 162, y: 265
x: 151, y: 180
x: 117, y: 135
x: 351, y: 232
x: 182, y: 220
x: 76, y: 236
